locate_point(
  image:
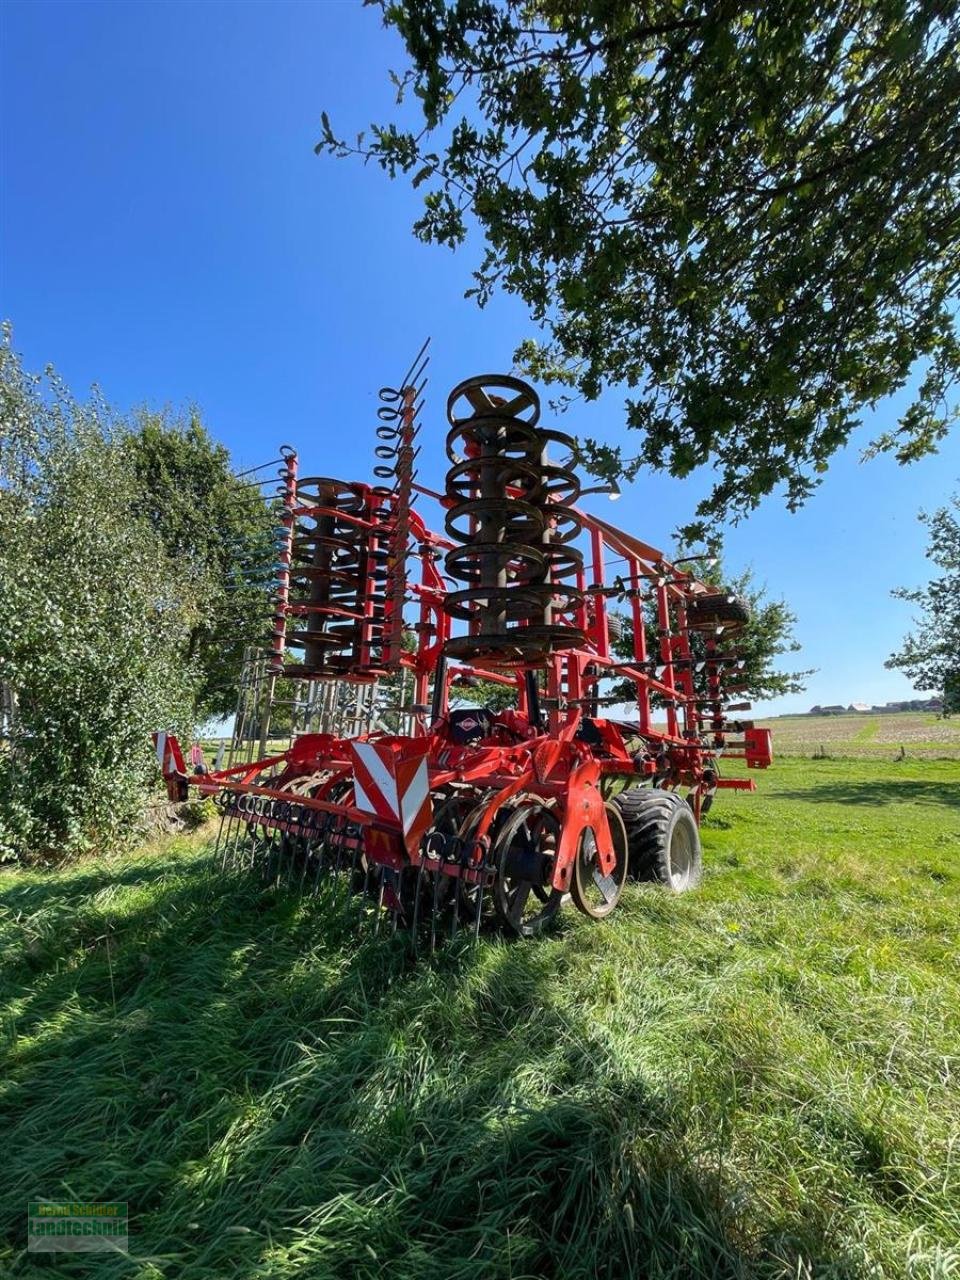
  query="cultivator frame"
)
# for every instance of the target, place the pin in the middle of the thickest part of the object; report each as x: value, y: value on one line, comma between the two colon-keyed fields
x: 469, y: 809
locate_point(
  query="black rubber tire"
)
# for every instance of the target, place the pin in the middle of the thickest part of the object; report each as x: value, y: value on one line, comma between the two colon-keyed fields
x: 722, y: 610
x: 662, y: 836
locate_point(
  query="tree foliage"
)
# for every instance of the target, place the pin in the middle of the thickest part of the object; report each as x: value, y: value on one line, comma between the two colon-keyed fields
x: 747, y: 215
x: 765, y: 639
x: 218, y: 530
x: 132, y: 574
x: 96, y: 621
x: 930, y: 654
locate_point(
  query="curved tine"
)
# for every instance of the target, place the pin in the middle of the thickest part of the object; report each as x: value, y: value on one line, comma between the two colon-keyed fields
x: 321, y: 856
x: 224, y: 849
x: 419, y: 397
x: 433, y: 914
x: 481, y: 885
x: 395, y: 911
x: 216, y: 847
x: 415, y: 361
x: 354, y: 863
x: 378, y: 913
x: 276, y: 855
x: 303, y: 848
x: 252, y: 840
x: 415, y: 919
x: 414, y: 383
x: 232, y: 852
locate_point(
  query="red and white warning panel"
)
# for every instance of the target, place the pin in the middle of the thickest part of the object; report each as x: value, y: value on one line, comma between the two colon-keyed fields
x: 174, y: 770
x: 391, y: 780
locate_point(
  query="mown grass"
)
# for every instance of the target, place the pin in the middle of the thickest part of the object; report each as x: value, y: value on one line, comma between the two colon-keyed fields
x: 758, y: 1080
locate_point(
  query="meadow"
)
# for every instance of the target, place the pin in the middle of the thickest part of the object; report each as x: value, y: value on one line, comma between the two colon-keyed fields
x: 756, y: 1080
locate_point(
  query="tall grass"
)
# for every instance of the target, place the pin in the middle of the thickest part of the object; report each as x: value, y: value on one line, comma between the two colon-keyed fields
x: 759, y: 1080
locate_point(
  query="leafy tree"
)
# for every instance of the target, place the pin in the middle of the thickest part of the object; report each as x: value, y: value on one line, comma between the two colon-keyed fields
x: 485, y: 693
x: 96, y: 622
x: 765, y: 639
x: 219, y: 530
x: 930, y: 655
x: 748, y: 215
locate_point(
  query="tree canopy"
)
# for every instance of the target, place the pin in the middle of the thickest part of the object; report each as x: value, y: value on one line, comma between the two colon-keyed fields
x: 219, y: 530
x: 747, y: 215
x: 126, y: 550
x: 930, y: 654
x: 96, y: 621
x: 762, y: 643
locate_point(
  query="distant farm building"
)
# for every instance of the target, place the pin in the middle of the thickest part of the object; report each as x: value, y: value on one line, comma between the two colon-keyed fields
x: 864, y: 708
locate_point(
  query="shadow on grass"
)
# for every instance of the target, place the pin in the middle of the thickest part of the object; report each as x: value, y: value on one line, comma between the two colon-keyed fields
x: 275, y: 1097
x: 33, y: 889
x: 893, y: 791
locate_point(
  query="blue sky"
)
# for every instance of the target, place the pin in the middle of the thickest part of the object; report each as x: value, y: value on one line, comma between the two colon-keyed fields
x: 167, y: 232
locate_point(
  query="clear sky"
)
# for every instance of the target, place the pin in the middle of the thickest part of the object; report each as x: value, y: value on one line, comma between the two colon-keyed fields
x: 167, y: 232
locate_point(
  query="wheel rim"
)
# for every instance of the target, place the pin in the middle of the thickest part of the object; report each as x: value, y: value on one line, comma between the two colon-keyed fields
x: 683, y: 855
x: 525, y: 850
x: 593, y: 893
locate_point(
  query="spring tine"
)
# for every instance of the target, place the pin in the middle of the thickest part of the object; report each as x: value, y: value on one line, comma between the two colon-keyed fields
x: 378, y: 916
x: 232, y: 851
x: 396, y: 906
x: 354, y: 868
x: 216, y: 847
x: 325, y: 886
x: 433, y: 913
x: 305, y: 848
x: 340, y: 839
x: 252, y: 838
x: 455, y: 911
x: 415, y: 919
x: 277, y: 855
x: 321, y: 856
x: 479, y: 912
x: 231, y: 819
x: 224, y: 845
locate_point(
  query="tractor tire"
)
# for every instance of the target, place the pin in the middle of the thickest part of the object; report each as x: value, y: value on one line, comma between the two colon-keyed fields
x: 662, y: 838
x: 715, y: 611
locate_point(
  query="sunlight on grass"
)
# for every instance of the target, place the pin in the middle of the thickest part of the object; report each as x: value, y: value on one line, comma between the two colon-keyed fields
x: 756, y: 1080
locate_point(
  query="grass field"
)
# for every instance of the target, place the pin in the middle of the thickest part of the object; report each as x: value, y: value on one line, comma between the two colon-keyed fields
x: 921, y: 735
x: 756, y: 1080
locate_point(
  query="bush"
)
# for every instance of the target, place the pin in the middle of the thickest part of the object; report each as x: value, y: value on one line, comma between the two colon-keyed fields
x: 96, y: 617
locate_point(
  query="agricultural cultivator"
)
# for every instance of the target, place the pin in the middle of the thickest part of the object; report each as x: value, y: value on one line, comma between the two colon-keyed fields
x: 435, y: 814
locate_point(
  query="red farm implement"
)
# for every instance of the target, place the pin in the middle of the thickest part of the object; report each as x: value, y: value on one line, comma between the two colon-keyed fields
x: 443, y: 815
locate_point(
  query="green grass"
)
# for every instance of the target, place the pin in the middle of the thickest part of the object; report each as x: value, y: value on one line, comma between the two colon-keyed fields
x: 756, y: 1080
x: 921, y: 735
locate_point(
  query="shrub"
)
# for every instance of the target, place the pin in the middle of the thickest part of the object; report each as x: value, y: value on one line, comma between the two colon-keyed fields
x: 96, y: 617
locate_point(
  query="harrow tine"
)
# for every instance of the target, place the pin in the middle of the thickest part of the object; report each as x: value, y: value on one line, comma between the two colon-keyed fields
x: 379, y: 911
x: 216, y: 847
x: 274, y: 868
x: 354, y: 868
x: 321, y: 855
x: 479, y: 913
x: 418, y: 890
x: 455, y: 906
x: 223, y: 840
x: 433, y: 912
x: 232, y: 849
x: 304, y: 851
